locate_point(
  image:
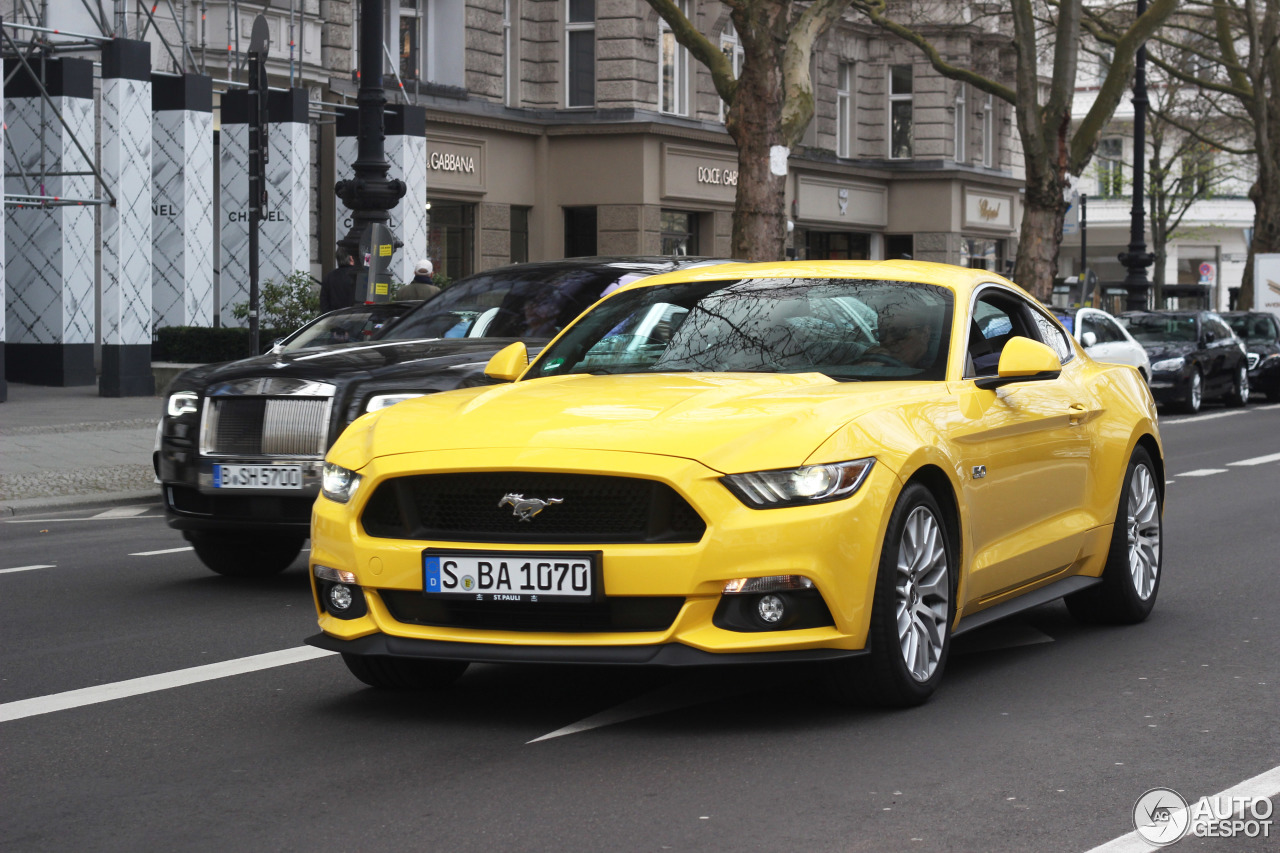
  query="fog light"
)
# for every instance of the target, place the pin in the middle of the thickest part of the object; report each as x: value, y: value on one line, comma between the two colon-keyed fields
x: 771, y: 609
x: 340, y: 597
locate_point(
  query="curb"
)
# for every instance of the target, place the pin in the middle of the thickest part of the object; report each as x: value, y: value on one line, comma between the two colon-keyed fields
x: 55, y: 503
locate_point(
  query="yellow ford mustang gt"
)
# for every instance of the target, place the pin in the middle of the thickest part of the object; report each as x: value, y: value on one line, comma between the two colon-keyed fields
x: 841, y: 462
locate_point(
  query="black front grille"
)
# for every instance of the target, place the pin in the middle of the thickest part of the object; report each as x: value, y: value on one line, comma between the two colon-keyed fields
x: 466, y: 508
x: 623, y: 614
x: 239, y: 425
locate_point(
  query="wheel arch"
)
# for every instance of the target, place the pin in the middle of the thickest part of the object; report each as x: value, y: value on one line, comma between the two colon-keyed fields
x: 1148, y: 442
x: 935, y: 479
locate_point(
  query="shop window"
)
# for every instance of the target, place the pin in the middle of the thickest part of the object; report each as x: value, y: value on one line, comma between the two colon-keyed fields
x: 900, y: 131
x: 673, y: 68
x: 1110, y: 167
x: 732, y: 49
x: 899, y: 247
x: 451, y: 237
x: 962, y: 120
x: 519, y: 234
x: 982, y: 254
x: 580, y: 53
x: 579, y: 232
x: 679, y: 233
x: 844, y: 110
x: 837, y: 246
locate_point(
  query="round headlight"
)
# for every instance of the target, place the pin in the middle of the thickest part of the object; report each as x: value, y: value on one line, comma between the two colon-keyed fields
x: 808, y: 482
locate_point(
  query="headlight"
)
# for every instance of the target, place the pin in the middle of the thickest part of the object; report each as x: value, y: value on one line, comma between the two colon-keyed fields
x: 1272, y: 359
x: 810, y: 484
x: 1169, y: 365
x: 183, y: 403
x: 338, y: 483
x: 382, y: 401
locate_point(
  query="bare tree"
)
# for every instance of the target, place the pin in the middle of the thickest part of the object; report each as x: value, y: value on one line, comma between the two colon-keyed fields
x: 1044, y: 32
x: 1229, y: 48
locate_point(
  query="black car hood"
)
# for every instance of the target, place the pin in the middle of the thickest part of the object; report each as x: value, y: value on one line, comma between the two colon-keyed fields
x: 1160, y: 350
x: 372, y: 360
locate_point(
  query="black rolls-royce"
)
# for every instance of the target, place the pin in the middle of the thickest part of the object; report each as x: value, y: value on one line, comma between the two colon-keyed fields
x: 242, y: 443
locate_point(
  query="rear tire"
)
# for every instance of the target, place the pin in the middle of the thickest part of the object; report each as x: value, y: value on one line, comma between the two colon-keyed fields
x: 1195, y: 393
x: 388, y: 673
x: 246, y: 556
x: 1131, y: 578
x: 910, y: 633
x: 1239, y: 393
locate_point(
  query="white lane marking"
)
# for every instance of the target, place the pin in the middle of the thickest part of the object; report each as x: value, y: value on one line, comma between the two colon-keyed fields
x: 123, y: 512
x: 165, y: 551
x: 1196, y: 419
x: 680, y: 694
x: 25, y: 569
x: 1203, y: 472
x: 88, y: 518
x: 152, y: 683
x: 1258, y: 460
x: 1265, y: 784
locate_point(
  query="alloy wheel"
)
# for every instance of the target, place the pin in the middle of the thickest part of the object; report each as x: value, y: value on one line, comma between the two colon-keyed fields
x: 1144, y: 532
x: 1194, y: 393
x: 922, y: 593
x: 1242, y: 385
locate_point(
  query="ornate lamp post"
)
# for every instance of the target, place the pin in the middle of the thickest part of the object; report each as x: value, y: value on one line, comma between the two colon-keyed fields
x: 369, y: 194
x: 1137, y: 258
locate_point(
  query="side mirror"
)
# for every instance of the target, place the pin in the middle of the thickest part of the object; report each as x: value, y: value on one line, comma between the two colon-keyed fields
x: 508, y: 363
x: 1088, y: 339
x: 1023, y: 360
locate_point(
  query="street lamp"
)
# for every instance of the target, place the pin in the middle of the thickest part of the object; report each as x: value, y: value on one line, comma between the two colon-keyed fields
x: 1137, y: 258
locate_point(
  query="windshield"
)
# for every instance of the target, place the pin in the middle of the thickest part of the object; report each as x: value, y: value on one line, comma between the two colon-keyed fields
x: 846, y: 329
x: 1159, y: 328
x: 345, y: 326
x: 1254, y: 328
x: 523, y: 302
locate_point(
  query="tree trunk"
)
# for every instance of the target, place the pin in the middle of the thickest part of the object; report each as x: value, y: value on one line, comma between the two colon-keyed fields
x: 1041, y: 237
x: 1265, y: 195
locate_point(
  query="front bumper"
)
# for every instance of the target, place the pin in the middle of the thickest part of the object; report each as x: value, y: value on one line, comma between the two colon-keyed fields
x: 192, y: 503
x: 835, y: 544
x: 1169, y: 387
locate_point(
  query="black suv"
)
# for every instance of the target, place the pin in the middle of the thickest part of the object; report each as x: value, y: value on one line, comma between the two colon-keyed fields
x: 1194, y: 357
x: 242, y: 443
x: 1260, y: 331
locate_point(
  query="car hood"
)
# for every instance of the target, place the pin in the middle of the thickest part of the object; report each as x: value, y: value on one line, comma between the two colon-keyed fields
x: 728, y: 422
x: 1161, y: 350
x: 376, y: 359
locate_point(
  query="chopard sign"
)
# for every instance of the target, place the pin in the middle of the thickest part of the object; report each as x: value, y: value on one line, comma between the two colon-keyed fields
x: 987, y: 210
x: 446, y: 162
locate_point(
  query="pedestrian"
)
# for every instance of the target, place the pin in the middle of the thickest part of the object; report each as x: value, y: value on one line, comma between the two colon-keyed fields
x: 421, y: 286
x: 338, y: 289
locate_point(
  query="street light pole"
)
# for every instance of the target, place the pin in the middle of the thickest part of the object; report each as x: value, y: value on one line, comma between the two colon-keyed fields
x: 1137, y: 258
x: 369, y: 194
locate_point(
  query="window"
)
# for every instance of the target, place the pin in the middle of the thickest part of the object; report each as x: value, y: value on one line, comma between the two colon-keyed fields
x: 673, y: 68
x: 999, y: 316
x: 980, y: 254
x: 989, y: 132
x: 1197, y: 171
x: 961, y: 121
x: 1110, y: 167
x: 451, y: 237
x: 579, y: 232
x: 837, y: 246
x: 580, y: 53
x: 519, y: 234
x: 510, y: 66
x: 410, y: 40
x: 844, y: 110
x: 732, y: 49
x: 679, y: 233
x: 899, y: 247
x: 900, y: 112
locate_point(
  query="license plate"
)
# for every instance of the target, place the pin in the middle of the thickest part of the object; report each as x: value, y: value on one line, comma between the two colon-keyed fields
x: 507, y: 576
x: 257, y: 476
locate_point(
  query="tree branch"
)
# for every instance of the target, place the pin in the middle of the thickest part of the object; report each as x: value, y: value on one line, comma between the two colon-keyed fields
x: 701, y: 47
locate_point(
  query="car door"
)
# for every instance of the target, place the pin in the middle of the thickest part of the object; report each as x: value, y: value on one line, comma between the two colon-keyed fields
x: 1025, y: 453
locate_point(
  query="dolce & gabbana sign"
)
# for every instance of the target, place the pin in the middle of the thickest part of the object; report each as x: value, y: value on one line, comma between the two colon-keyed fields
x: 699, y: 174
x: 454, y: 163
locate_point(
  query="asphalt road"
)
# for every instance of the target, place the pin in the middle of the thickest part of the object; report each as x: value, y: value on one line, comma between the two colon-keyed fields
x: 1042, y: 737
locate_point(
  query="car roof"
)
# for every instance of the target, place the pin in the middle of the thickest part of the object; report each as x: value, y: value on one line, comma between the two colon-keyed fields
x: 960, y: 279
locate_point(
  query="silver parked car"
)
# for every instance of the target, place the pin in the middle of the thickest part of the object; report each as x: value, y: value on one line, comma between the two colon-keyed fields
x: 1104, y: 339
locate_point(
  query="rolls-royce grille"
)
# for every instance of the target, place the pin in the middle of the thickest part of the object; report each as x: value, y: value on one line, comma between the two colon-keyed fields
x: 582, y: 508
x: 265, y: 426
x: 638, y: 613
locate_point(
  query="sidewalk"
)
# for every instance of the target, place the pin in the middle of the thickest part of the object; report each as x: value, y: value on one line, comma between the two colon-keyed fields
x: 68, y: 446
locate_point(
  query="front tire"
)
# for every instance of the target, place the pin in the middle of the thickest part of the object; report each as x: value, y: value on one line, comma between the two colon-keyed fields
x: 910, y: 633
x: 1131, y: 578
x: 1239, y: 394
x: 246, y: 556
x: 388, y: 673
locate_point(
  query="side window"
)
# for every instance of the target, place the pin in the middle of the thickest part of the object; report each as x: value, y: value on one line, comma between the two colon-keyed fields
x: 1224, y: 331
x: 1089, y: 325
x: 1207, y: 330
x: 995, y: 320
x: 1052, y: 336
x: 1114, y: 332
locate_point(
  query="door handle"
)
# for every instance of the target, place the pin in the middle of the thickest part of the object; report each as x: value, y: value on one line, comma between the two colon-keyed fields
x: 1076, y: 413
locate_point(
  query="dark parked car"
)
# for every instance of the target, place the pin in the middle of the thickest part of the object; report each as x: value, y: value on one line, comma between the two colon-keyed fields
x: 346, y: 325
x: 1260, y: 331
x: 1194, y: 357
x: 242, y: 443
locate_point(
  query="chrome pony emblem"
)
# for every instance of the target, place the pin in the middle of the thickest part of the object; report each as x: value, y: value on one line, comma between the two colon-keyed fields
x: 526, y: 508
